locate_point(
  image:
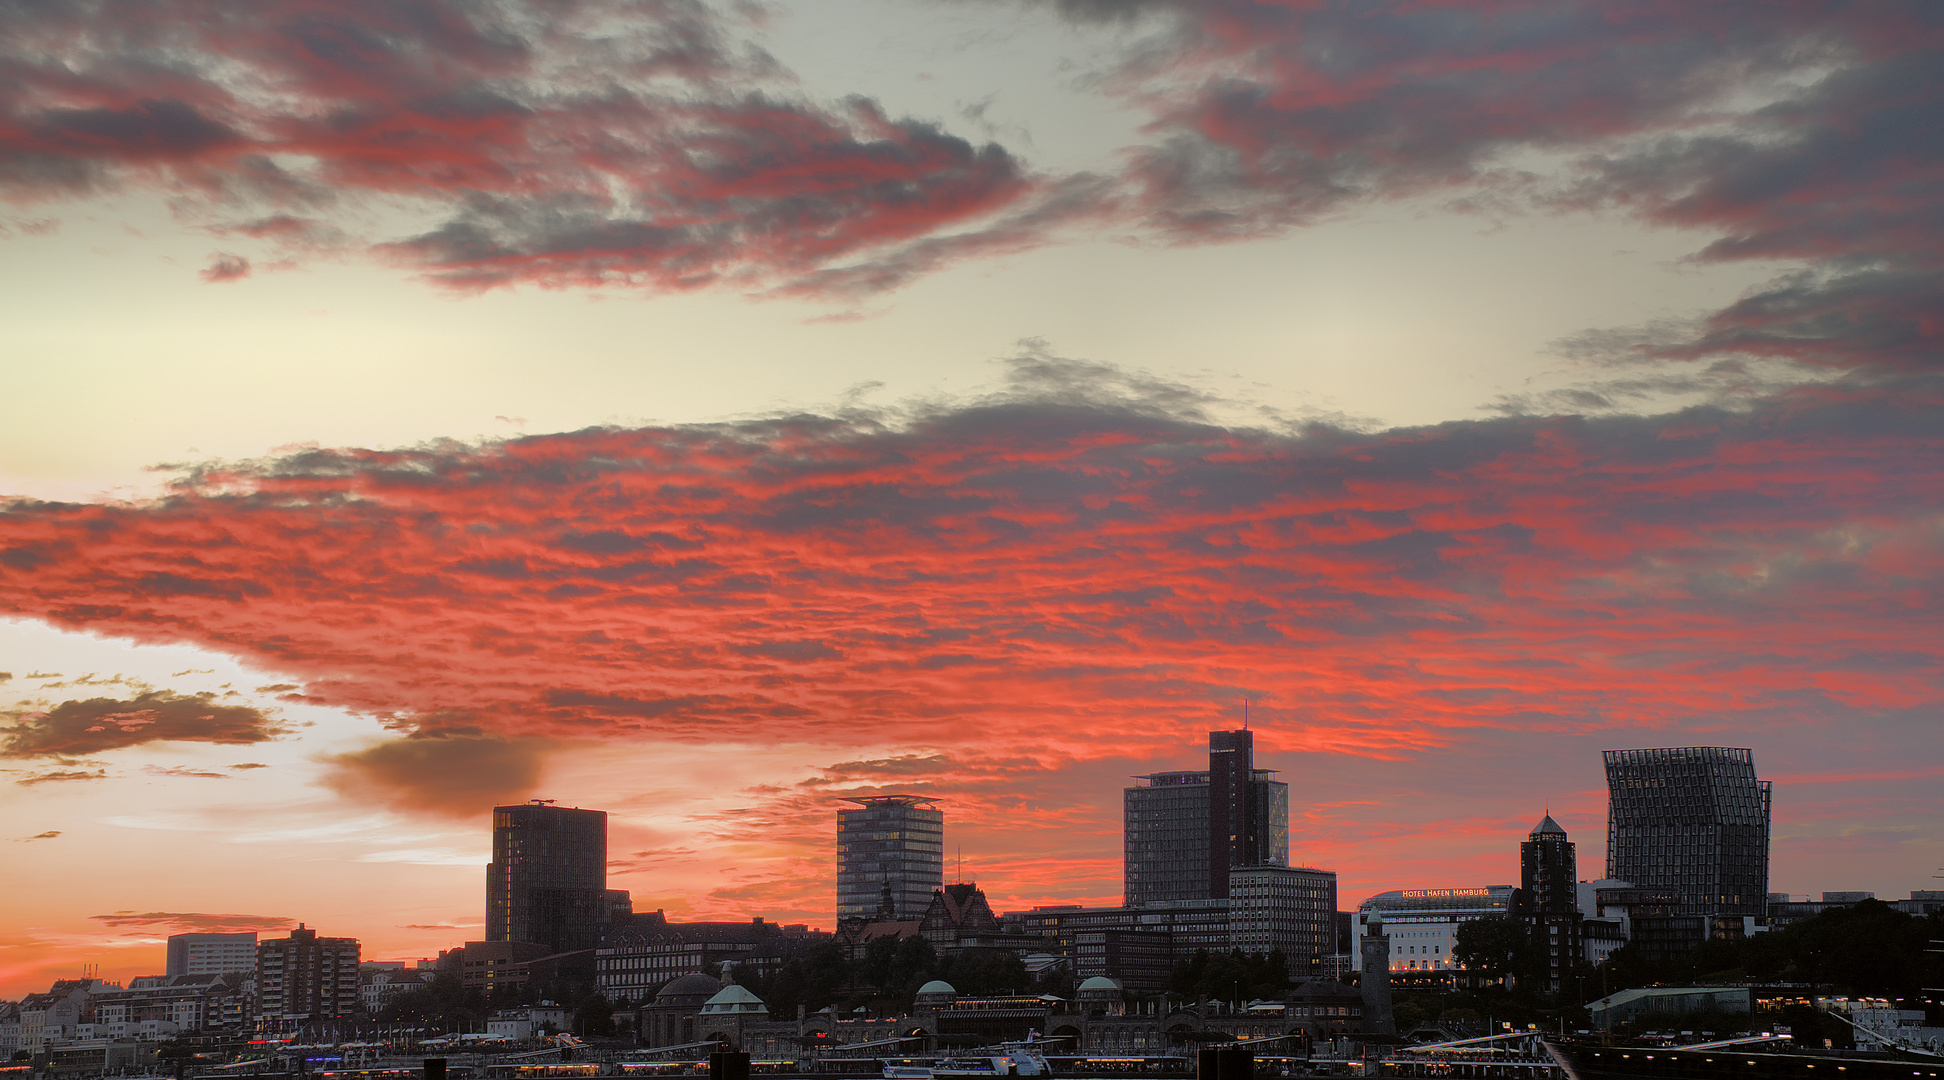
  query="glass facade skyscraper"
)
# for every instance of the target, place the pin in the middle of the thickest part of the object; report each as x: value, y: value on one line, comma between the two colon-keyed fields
x: 1693, y: 820
x: 890, y: 846
x: 547, y: 883
x: 1184, y: 831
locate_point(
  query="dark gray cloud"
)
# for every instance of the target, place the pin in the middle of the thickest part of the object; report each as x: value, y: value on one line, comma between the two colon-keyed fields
x: 193, y: 922
x: 96, y: 724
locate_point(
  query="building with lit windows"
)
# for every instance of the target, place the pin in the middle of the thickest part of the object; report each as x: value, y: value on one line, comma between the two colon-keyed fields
x: 890, y: 856
x: 1422, y: 924
x: 1693, y: 820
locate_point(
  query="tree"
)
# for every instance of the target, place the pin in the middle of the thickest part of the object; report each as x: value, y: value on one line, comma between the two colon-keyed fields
x: 1495, y: 946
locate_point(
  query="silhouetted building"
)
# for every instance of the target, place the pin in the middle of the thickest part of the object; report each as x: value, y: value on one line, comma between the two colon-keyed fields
x: 1694, y: 820
x: 211, y: 954
x: 958, y: 911
x: 304, y: 977
x: 890, y: 853
x: 1548, y: 901
x: 1184, y: 831
x: 547, y: 883
x: 1373, y: 983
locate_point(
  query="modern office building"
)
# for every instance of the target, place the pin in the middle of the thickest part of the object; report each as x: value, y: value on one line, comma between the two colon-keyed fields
x: 1185, y: 831
x: 304, y: 977
x: 1421, y: 925
x: 890, y: 856
x: 1548, y: 901
x: 211, y: 954
x: 1286, y: 908
x: 547, y: 883
x: 1694, y: 820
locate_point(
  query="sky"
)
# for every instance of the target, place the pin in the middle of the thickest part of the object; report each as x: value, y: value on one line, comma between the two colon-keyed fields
x: 705, y: 412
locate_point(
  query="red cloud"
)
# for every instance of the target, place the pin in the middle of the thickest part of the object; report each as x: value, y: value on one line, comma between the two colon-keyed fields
x: 1063, y: 576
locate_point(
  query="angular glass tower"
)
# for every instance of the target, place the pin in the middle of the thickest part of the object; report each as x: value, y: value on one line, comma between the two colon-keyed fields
x: 547, y: 883
x: 1693, y: 820
x: 890, y: 847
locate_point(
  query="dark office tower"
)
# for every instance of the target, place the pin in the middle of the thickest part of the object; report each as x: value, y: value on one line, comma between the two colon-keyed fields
x: 890, y: 845
x: 1186, y: 830
x: 1548, y: 900
x: 1693, y: 820
x: 1234, y: 833
x: 547, y: 883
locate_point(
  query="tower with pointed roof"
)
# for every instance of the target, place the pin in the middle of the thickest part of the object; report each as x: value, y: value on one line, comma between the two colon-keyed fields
x: 1548, y: 902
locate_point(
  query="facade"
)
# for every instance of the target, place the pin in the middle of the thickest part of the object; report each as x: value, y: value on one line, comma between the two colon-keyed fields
x: 640, y: 959
x: 957, y: 912
x: 547, y: 883
x: 304, y: 977
x: 1422, y: 924
x: 211, y: 954
x: 890, y: 854
x: 1291, y: 908
x: 1184, y: 831
x: 1548, y: 901
x: 1649, y: 919
x: 1694, y: 820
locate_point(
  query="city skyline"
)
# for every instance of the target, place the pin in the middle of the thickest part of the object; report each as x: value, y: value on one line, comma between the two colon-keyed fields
x: 712, y: 411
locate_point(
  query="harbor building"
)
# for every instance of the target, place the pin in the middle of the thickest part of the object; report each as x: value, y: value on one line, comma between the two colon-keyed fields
x: 1422, y: 924
x: 890, y: 857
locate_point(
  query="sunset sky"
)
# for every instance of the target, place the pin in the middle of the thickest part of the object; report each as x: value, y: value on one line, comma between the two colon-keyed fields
x: 703, y: 411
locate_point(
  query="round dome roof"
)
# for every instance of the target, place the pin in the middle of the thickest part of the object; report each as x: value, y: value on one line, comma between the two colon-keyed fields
x: 937, y: 986
x: 693, y: 985
x: 734, y: 999
x: 1099, y: 982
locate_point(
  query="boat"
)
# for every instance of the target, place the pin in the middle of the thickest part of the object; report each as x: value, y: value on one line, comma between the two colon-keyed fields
x: 1737, y: 1059
x: 1011, y: 1059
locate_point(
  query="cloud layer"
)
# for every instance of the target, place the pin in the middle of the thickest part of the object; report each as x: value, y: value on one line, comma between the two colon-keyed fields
x: 650, y: 144
x: 585, y: 143
x: 1049, y: 569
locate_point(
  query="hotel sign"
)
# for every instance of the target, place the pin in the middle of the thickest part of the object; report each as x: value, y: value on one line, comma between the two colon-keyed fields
x: 1445, y: 894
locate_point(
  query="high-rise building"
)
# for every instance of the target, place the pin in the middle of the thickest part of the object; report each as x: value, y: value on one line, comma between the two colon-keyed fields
x: 890, y: 856
x: 1186, y: 830
x: 1694, y: 820
x: 211, y: 954
x: 547, y: 883
x: 1548, y: 901
x: 304, y: 977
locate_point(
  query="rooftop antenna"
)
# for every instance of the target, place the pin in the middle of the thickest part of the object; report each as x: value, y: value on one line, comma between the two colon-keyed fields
x: 1245, y: 713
